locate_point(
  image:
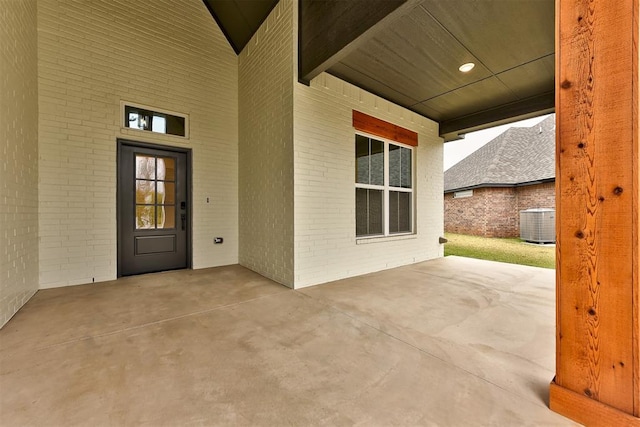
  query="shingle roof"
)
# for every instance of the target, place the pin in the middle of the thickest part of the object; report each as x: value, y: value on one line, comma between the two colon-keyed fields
x: 517, y: 156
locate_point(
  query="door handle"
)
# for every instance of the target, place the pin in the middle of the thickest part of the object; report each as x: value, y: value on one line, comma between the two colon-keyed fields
x: 183, y: 217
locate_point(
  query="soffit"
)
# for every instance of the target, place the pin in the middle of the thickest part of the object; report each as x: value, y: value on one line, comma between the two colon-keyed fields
x: 412, y: 57
x: 413, y: 61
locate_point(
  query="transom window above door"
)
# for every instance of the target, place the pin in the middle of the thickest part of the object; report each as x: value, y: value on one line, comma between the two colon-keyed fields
x: 154, y: 120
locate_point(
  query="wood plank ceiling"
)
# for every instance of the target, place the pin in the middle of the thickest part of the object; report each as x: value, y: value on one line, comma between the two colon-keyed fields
x: 412, y: 57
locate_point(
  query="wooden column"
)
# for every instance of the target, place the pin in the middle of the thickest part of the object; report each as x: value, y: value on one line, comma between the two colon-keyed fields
x: 598, y: 191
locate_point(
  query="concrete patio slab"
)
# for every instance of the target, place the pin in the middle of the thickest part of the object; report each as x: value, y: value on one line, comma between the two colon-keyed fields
x: 60, y: 315
x: 409, y: 346
x: 491, y: 319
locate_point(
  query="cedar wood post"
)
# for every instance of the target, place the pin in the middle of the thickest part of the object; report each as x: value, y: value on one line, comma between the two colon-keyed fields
x: 597, y: 191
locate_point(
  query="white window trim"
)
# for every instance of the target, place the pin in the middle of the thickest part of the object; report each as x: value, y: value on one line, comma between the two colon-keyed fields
x: 386, y: 188
x: 126, y: 129
x: 380, y: 239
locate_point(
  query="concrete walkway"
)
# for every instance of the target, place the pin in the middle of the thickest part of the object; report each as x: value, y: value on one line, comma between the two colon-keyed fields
x: 448, y: 342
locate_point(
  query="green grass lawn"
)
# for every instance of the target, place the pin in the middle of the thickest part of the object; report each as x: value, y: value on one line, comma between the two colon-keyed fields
x: 513, y: 251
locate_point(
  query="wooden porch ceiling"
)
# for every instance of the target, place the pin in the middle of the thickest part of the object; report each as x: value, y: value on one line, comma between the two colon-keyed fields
x: 409, y: 51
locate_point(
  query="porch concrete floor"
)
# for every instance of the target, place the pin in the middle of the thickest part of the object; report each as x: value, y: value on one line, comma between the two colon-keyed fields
x: 448, y: 342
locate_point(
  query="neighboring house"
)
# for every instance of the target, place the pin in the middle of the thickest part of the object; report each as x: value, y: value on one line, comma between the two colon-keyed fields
x: 484, y: 193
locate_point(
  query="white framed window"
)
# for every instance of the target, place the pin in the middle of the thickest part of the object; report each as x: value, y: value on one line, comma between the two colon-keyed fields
x: 462, y: 194
x: 144, y: 118
x: 384, y: 187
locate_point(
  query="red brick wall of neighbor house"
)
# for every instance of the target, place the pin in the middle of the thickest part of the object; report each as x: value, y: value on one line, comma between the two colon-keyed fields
x: 465, y: 216
x: 537, y: 196
x: 495, y: 212
x: 500, y: 204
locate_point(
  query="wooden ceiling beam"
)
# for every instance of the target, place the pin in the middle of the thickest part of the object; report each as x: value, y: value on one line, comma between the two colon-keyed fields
x: 453, y: 129
x: 330, y: 30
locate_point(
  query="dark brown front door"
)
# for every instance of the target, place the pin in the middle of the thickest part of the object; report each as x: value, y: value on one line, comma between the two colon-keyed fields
x: 153, y: 217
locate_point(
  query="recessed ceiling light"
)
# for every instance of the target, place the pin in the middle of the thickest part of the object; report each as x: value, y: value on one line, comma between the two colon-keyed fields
x: 465, y: 68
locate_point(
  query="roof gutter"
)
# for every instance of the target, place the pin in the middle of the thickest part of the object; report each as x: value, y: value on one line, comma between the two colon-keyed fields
x: 500, y: 185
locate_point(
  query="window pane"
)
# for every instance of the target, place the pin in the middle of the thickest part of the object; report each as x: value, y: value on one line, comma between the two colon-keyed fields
x: 160, y: 169
x: 166, y: 216
x: 136, y: 118
x: 169, y: 164
x: 145, y: 167
x: 405, y: 168
x: 399, y: 212
x: 399, y: 166
x: 159, y: 124
x: 160, y: 192
x: 361, y: 212
x: 145, y: 192
x: 404, y: 212
x: 393, y: 212
x: 369, y: 215
x: 394, y: 165
x: 377, y: 162
x: 362, y: 159
x: 134, y: 121
x: 145, y: 217
x: 376, y: 216
x: 175, y: 125
x: 166, y: 193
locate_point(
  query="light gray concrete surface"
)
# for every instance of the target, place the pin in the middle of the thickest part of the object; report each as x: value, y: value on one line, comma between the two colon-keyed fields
x: 448, y: 342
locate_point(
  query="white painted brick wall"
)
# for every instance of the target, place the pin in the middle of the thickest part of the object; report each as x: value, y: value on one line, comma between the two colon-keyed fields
x: 266, y: 147
x: 325, y: 241
x: 94, y: 54
x: 168, y: 54
x: 284, y: 124
x: 18, y: 155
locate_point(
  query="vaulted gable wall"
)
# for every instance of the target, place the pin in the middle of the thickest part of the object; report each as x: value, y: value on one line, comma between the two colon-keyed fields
x: 266, y: 199
x: 18, y: 155
x: 92, y: 56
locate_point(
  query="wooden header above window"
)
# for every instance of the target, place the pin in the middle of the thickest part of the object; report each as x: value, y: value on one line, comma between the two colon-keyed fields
x: 369, y: 124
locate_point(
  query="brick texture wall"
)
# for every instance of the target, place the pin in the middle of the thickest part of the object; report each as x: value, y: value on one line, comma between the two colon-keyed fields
x: 266, y: 147
x: 18, y: 155
x: 495, y: 212
x: 167, y: 54
x: 275, y: 157
x: 297, y: 190
x: 325, y: 242
x: 537, y: 196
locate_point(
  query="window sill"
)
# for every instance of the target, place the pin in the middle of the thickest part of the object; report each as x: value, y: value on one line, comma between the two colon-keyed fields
x: 380, y: 239
x: 141, y: 133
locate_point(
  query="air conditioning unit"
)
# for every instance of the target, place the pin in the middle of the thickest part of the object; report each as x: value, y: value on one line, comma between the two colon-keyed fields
x: 538, y: 225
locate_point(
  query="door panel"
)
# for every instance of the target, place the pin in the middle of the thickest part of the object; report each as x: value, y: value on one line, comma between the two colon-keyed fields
x: 155, y: 244
x: 153, y: 221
